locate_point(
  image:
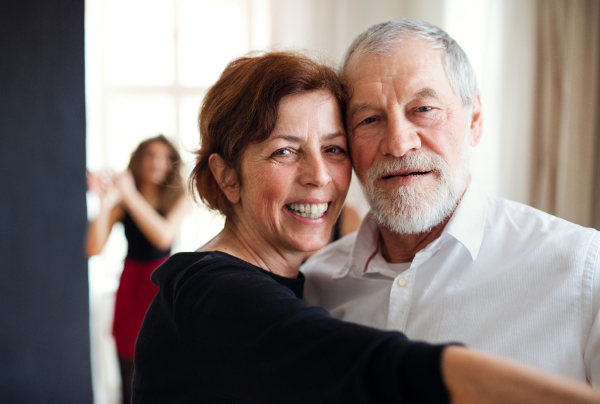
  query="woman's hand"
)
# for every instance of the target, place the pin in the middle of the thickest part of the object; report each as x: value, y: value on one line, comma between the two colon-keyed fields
x: 125, y: 183
x: 99, y: 183
x: 99, y: 229
x: 473, y: 377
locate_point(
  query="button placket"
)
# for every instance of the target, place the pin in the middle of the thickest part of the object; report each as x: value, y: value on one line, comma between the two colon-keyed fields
x: 400, y: 300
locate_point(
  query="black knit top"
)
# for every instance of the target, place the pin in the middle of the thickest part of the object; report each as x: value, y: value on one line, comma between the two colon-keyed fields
x: 221, y: 330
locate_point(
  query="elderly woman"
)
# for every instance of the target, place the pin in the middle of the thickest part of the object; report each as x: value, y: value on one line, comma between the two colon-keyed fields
x: 229, y: 325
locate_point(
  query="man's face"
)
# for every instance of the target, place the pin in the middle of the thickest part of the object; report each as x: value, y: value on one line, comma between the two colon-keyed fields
x: 410, y: 136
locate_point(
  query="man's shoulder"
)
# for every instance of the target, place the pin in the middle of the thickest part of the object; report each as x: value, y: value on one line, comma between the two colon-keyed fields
x: 332, y: 257
x: 524, y: 222
x: 506, y: 209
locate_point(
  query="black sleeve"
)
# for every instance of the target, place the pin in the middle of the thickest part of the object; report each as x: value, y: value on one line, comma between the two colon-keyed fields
x: 257, y: 342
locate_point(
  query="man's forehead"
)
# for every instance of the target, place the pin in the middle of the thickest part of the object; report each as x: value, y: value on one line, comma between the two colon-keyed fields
x: 373, y: 68
x: 417, y: 68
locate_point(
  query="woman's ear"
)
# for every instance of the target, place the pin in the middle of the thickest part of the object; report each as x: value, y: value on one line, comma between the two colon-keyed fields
x: 225, y: 178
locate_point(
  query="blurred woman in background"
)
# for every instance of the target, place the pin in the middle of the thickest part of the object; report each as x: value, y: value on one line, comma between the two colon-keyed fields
x: 151, y: 208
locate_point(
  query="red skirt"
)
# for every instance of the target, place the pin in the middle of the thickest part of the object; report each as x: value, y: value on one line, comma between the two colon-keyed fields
x: 134, y: 295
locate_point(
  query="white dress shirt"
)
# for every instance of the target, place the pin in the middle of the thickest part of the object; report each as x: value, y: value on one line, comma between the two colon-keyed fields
x: 503, y: 278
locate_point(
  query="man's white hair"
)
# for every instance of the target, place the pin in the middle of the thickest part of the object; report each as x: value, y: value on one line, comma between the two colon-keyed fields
x: 380, y: 38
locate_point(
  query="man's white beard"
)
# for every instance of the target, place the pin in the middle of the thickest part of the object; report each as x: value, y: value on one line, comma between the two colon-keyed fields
x: 414, y: 209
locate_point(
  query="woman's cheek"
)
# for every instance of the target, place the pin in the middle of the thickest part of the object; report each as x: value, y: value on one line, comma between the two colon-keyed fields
x: 275, y: 181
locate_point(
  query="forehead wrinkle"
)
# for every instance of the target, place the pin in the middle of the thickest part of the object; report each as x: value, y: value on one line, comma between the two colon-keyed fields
x: 381, y: 99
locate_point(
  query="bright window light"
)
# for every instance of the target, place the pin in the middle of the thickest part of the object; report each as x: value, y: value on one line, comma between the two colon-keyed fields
x: 202, y: 58
x: 140, y: 47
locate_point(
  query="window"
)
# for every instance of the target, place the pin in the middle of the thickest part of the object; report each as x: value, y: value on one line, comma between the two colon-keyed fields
x: 148, y: 66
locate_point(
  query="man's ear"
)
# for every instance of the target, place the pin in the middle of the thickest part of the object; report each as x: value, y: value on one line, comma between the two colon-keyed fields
x: 476, y: 128
x: 225, y: 178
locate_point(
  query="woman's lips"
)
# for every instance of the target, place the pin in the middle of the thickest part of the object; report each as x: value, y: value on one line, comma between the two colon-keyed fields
x: 308, y: 210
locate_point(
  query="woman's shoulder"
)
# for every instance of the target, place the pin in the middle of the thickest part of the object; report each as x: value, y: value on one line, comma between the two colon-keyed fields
x: 212, y: 268
x: 213, y: 263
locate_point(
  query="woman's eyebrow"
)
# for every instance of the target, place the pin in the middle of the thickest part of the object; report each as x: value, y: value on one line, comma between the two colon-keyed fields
x: 332, y: 136
x: 289, y: 138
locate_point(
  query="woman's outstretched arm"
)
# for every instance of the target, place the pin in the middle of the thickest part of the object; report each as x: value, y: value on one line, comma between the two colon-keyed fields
x: 160, y: 231
x: 99, y: 229
x: 473, y: 377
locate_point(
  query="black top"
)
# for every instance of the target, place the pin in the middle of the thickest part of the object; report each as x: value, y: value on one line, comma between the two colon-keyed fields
x: 221, y: 330
x: 138, y: 246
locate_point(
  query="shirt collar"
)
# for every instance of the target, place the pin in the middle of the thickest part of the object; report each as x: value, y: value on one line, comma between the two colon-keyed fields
x: 366, y: 247
x: 466, y: 225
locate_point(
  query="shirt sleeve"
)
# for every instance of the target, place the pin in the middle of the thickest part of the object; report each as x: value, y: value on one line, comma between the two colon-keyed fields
x: 257, y: 342
x: 591, y: 307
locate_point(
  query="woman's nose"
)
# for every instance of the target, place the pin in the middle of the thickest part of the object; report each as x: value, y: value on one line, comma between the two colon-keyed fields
x: 315, y: 171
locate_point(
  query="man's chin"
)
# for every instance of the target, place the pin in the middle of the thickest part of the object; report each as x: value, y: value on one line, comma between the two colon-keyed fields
x: 407, y: 226
x: 414, y: 217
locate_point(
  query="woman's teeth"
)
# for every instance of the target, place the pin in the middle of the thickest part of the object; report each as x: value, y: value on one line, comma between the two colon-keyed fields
x: 309, y: 210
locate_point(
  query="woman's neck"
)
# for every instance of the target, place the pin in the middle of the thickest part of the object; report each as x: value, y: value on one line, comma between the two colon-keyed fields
x: 151, y: 192
x: 238, y: 241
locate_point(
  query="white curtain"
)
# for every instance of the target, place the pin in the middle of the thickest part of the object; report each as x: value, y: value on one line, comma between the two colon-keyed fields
x: 565, y: 137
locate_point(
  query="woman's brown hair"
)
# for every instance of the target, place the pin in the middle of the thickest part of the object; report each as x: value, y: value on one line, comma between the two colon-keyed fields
x: 241, y: 108
x: 171, y: 189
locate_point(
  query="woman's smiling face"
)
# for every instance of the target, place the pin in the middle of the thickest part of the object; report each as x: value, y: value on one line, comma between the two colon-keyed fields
x: 302, y: 166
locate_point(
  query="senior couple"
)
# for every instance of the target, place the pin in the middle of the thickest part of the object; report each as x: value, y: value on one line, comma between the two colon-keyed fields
x: 435, y: 264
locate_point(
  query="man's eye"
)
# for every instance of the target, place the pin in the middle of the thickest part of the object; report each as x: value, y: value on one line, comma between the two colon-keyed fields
x: 335, y: 150
x: 424, y: 109
x: 369, y: 120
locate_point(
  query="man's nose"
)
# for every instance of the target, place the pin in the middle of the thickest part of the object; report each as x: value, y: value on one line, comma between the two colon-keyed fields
x: 401, y: 136
x: 315, y: 171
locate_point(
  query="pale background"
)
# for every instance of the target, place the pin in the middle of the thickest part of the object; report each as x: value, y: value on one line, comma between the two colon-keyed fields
x: 149, y: 63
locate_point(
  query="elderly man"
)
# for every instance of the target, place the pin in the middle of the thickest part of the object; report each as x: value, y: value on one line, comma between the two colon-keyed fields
x: 435, y: 258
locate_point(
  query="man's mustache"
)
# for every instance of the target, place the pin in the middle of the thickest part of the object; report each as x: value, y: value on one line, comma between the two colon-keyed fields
x: 419, y: 163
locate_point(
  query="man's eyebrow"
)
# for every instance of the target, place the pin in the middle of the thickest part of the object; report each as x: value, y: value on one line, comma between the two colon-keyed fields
x: 355, y: 108
x: 427, y: 92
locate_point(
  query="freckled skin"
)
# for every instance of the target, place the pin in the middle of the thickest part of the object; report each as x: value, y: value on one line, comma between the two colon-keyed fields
x: 304, y: 160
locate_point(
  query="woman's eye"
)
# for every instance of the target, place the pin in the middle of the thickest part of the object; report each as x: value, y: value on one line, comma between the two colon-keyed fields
x: 282, y: 152
x: 424, y: 109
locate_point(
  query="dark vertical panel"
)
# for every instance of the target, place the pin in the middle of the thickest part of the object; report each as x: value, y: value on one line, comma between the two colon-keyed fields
x: 44, y: 327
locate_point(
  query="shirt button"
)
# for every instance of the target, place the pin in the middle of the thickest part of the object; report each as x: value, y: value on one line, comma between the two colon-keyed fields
x: 402, y: 281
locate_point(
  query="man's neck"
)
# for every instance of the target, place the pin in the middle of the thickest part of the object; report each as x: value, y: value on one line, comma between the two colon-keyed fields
x: 397, y: 248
